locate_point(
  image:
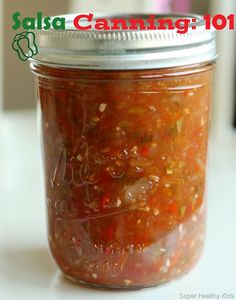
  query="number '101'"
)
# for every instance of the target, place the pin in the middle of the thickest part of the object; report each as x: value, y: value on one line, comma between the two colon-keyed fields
x: 220, y: 22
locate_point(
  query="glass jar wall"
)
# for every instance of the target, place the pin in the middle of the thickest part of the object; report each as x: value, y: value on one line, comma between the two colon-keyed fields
x: 125, y: 164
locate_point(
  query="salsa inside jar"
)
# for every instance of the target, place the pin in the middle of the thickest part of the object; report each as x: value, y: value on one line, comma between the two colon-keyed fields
x: 125, y: 160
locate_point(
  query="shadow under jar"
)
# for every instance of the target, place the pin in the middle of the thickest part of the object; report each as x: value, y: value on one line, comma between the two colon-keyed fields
x: 125, y: 129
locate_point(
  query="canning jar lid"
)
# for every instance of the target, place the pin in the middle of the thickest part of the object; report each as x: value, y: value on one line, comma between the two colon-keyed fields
x: 126, y: 49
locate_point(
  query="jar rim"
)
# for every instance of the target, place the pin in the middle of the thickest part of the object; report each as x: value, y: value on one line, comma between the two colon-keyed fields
x: 127, y: 49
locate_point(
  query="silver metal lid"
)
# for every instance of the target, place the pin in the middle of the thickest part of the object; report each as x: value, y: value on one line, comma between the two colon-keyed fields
x: 126, y: 49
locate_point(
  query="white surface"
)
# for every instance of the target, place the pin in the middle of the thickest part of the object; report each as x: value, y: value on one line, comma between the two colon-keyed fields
x: 27, y: 270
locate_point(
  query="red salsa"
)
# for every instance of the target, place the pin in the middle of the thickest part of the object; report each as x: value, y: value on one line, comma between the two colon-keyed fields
x: 125, y: 161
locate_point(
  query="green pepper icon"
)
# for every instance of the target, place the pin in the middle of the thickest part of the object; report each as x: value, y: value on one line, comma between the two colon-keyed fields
x: 24, y: 45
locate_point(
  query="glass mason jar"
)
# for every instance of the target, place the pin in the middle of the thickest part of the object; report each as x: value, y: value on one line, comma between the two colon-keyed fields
x: 124, y: 120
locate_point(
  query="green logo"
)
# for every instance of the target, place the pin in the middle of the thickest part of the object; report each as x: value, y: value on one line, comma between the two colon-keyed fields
x: 24, y: 45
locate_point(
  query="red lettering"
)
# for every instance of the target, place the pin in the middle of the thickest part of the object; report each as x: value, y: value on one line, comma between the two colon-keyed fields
x: 231, y: 19
x: 219, y: 22
x: 119, y: 24
x: 207, y: 18
x: 151, y: 21
x: 101, y: 24
x: 88, y: 17
x: 182, y: 25
x: 165, y: 24
x: 137, y: 24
